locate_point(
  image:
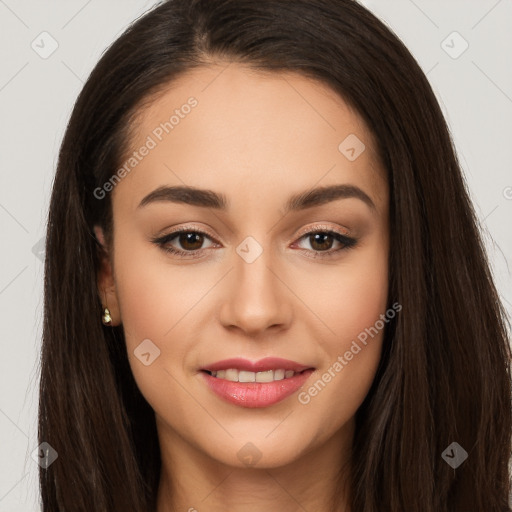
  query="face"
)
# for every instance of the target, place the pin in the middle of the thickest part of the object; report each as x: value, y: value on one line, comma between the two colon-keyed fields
x: 241, y: 271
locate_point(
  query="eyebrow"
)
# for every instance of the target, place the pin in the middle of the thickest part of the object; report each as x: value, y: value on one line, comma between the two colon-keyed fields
x: 209, y: 199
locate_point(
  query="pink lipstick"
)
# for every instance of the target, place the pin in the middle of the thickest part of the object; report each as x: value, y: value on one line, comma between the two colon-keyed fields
x: 255, y: 384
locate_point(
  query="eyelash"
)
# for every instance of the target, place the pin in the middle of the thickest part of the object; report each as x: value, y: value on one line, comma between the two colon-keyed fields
x: 347, y: 243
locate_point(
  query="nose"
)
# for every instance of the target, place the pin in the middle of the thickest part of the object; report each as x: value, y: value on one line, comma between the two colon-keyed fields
x: 256, y: 296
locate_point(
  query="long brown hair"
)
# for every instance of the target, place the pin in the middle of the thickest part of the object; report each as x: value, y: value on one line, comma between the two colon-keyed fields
x: 444, y: 375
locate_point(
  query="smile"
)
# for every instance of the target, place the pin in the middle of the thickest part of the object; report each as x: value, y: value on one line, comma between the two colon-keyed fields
x: 255, y: 384
x: 234, y: 375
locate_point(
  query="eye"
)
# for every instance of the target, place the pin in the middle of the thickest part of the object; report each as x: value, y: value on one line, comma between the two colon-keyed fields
x: 192, y: 240
x: 322, y: 239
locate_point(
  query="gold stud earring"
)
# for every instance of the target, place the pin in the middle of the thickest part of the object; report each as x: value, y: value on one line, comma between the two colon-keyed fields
x: 106, y: 318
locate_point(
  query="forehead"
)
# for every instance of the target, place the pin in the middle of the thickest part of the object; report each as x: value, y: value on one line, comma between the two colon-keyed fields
x: 250, y: 133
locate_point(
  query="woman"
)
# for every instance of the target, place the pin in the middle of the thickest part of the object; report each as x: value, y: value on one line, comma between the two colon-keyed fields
x: 330, y: 340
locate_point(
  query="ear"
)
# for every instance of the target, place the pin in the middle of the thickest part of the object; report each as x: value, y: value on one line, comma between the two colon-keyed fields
x: 105, y: 279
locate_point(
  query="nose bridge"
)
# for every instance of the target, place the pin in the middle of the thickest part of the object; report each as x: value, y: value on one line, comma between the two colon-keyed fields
x: 256, y: 297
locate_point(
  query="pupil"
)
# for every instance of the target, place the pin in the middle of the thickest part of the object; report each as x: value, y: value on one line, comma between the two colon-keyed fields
x: 187, y: 240
x: 319, y: 236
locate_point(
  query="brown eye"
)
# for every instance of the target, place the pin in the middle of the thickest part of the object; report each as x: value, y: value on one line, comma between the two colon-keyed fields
x: 190, y: 240
x: 185, y: 243
x: 321, y: 241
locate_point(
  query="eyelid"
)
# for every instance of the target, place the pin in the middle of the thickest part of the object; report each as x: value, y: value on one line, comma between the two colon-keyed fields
x: 305, y: 231
x: 324, y: 227
x: 199, y: 229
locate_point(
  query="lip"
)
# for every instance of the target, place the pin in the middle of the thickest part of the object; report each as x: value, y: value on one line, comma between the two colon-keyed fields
x: 263, y: 365
x: 256, y: 394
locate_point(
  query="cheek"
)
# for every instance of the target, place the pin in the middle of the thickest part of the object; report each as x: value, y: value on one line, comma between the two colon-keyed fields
x: 338, y: 390
x: 350, y: 297
x: 152, y: 302
x: 353, y: 305
x: 164, y: 303
x: 155, y: 298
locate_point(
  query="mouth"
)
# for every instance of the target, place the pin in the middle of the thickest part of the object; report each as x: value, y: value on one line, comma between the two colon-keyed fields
x: 255, y: 384
x: 236, y: 375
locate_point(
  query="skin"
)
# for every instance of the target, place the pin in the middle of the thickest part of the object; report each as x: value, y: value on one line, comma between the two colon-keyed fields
x: 257, y: 138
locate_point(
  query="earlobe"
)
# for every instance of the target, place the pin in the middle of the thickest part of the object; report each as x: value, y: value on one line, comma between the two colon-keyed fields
x: 100, y: 236
x: 110, y: 314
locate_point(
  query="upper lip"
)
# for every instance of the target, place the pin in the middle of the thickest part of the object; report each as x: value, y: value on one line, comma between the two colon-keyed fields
x: 263, y: 365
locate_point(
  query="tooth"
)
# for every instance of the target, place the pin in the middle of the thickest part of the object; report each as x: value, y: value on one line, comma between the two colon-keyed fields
x: 234, y: 375
x: 279, y: 374
x: 267, y: 376
x: 231, y: 374
x: 245, y: 376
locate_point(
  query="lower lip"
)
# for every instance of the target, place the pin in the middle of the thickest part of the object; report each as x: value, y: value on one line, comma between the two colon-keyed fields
x: 256, y: 394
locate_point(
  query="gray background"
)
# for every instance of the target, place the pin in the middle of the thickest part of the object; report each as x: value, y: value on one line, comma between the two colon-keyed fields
x: 36, y: 97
